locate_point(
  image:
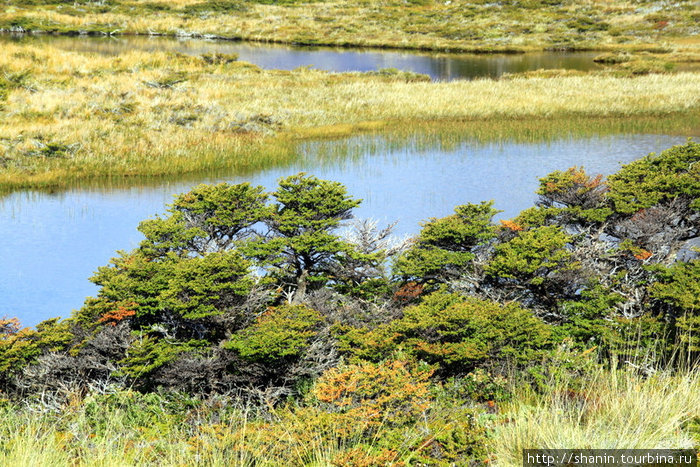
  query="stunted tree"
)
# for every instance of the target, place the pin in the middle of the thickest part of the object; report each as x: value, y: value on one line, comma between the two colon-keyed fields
x: 211, y: 266
x: 301, y: 246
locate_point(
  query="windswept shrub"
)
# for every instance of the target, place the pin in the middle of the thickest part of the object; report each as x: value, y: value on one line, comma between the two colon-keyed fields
x: 387, y: 393
x: 578, y: 196
x: 675, y: 173
x: 457, y: 334
x: 147, y: 354
x: 446, y: 246
x: 571, y: 188
x: 678, y: 286
x: 365, y: 414
x: 533, y: 258
x: 279, y: 334
x: 587, y: 319
x: 237, y: 287
x: 21, y: 347
x: 189, y: 303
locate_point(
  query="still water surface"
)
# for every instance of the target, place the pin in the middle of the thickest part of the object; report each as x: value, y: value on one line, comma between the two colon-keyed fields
x: 51, y: 243
x: 439, y: 66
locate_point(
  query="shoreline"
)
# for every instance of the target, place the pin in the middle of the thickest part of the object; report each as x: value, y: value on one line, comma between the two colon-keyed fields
x: 650, y: 48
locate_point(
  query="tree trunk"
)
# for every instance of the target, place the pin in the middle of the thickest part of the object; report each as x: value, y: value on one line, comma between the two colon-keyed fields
x: 301, y: 288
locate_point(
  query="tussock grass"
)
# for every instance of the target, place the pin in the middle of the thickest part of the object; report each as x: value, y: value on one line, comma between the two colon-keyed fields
x: 463, y: 25
x: 615, y: 409
x: 71, y: 116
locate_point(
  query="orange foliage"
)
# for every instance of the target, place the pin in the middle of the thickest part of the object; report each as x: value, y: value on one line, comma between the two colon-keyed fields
x: 642, y: 254
x: 9, y: 326
x: 408, y: 292
x: 594, y: 182
x: 551, y: 187
x: 511, y: 225
x: 122, y: 312
x: 391, y: 392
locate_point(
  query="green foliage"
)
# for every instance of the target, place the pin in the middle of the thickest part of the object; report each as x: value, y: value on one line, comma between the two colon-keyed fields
x: 640, y: 338
x: 609, y: 58
x: 187, y: 299
x: 278, y: 334
x: 537, y: 216
x: 479, y: 386
x: 675, y: 173
x: 17, y: 347
x: 429, y: 263
x: 209, y: 217
x: 587, y: 319
x: 587, y: 24
x: 456, y: 437
x: 307, y: 204
x: 679, y: 287
x: 170, y: 286
x: 567, y: 366
x: 184, y: 267
x: 209, y: 285
x: 185, y: 289
x: 578, y: 195
x: 303, y: 247
x: 456, y: 333
x: 132, y: 277
x: 20, y: 347
x: 146, y: 354
x: 446, y: 245
x: 54, y: 335
x: 169, y: 235
x: 531, y: 256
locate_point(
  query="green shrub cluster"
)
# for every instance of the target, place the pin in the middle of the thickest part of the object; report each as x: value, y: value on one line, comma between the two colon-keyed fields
x: 235, y: 288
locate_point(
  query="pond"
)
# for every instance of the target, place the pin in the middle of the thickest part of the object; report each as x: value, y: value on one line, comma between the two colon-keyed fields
x: 53, y: 242
x: 439, y: 66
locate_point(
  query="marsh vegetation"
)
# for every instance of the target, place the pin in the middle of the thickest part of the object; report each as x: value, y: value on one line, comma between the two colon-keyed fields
x: 456, y: 25
x: 73, y: 116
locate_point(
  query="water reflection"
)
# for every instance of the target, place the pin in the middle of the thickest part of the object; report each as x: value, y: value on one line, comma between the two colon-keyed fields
x: 53, y: 242
x: 444, y: 67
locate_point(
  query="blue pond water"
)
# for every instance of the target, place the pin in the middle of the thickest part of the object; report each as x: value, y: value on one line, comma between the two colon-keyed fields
x: 439, y: 66
x: 51, y: 243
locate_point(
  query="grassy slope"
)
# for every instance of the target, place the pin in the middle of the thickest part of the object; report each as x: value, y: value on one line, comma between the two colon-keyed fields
x: 70, y: 116
x: 479, y: 25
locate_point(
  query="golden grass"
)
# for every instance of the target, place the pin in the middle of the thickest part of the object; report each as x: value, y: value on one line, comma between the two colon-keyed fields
x: 464, y: 25
x: 71, y: 116
x: 614, y: 410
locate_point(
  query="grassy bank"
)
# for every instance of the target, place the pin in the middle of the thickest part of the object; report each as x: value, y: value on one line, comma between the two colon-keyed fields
x: 71, y: 116
x: 615, y: 409
x: 457, y: 25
